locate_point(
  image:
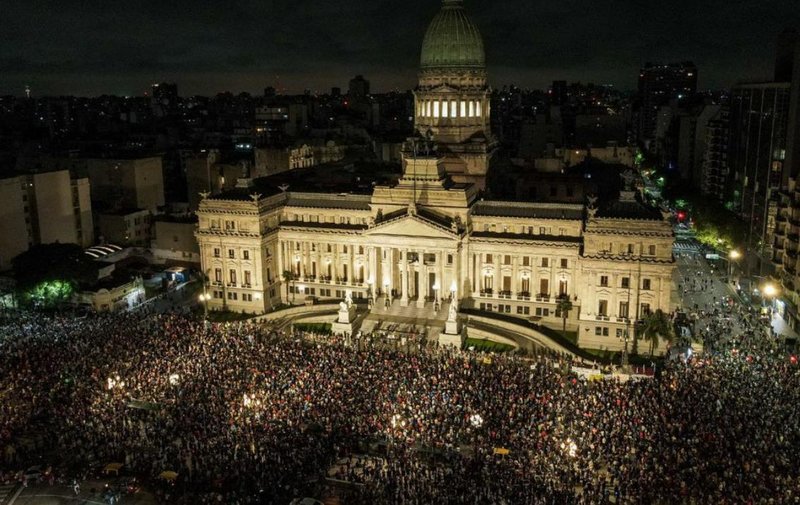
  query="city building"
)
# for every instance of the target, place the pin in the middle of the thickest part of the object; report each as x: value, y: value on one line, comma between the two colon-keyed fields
x: 712, y: 153
x: 173, y: 241
x: 658, y: 85
x: 427, y: 238
x: 127, y: 182
x: 451, y: 100
x: 124, y: 226
x: 358, y: 91
x: 43, y: 208
x: 758, y: 122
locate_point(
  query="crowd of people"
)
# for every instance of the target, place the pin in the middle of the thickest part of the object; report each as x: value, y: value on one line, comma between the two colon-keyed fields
x: 244, y: 413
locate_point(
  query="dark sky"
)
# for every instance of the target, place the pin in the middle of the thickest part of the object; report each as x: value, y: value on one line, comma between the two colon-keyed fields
x: 91, y: 47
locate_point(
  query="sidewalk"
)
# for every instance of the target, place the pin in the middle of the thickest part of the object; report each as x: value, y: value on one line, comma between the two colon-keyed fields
x: 781, y: 328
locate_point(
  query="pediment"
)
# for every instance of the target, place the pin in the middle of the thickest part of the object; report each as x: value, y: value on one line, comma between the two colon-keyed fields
x: 413, y: 227
x: 444, y: 88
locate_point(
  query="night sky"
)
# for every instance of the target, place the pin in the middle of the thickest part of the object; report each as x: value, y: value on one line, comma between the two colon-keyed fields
x: 91, y: 47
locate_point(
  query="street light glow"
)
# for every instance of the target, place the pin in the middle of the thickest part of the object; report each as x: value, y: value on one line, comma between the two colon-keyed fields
x: 734, y: 254
x: 770, y: 290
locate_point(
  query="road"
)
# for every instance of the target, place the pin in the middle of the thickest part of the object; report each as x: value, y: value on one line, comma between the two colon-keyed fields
x: 90, y: 494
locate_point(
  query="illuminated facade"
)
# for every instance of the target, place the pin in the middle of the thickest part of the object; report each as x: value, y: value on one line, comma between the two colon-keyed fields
x: 430, y: 238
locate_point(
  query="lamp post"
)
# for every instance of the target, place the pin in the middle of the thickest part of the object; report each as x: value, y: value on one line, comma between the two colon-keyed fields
x: 436, y: 296
x: 370, y: 293
x: 204, y: 298
x: 386, y: 294
x: 769, y: 291
x: 732, y: 256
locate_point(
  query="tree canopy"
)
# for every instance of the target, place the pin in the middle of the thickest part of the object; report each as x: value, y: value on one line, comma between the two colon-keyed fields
x: 53, y: 271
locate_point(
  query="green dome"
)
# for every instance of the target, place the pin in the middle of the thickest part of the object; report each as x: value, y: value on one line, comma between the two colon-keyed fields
x: 452, y: 40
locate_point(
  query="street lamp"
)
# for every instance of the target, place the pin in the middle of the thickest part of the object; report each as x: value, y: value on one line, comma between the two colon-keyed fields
x: 436, y: 296
x: 386, y: 294
x: 770, y: 291
x: 370, y: 293
x: 733, y: 255
x: 204, y: 298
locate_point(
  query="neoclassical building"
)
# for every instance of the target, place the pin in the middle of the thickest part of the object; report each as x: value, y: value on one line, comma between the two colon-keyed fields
x: 429, y: 237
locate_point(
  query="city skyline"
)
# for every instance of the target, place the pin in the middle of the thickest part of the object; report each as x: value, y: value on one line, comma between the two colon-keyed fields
x: 248, y: 46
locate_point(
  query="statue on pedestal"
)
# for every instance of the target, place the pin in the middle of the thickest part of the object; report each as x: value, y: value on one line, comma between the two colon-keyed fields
x: 453, y: 312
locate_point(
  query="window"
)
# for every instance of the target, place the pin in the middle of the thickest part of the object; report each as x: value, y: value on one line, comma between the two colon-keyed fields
x: 563, y: 289
x: 620, y: 333
x: 449, y: 259
x: 544, y: 287
x: 646, y: 284
x: 626, y: 282
x: 543, y: 312
x: 545, y: 262
x: 651, y: 250
x: 604, y: 280
x: 329, y: 248
x: 542, y: 230
x: 630, y: 248
x: 488, y: 258
x: 478, y: 108
x: 471, y: 108
x: 564, y: 262
x: 231, y: 253
x: 645, y: 309
x: 247, y: 277
x: 436, y: 108
x: 623, y: 309
x: 445, y: 109
x: 216, y: 252
x: 246, y: 255
x: 230, y: 225
x: 526, y: 261
x: 601, y: 331
x: 526, y: 285
x: 507, y: 259
x: 232, y: 276
x: 217, y: 275
x: 463, y: 108
x: 602, y: 308
x: 361, y: 249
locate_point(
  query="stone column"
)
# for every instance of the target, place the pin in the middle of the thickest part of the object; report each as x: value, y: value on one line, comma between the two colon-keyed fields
x: 497, y: 278
x: 404, y: 278
x: 514, y: 275
x: 423, y: 280
x: 443, y: 288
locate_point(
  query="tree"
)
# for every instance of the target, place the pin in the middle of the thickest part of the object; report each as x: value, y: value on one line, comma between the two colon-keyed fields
x: 48, y: 274
x: 564, y: 305
x: 657, y: 326
x: 288, y: 276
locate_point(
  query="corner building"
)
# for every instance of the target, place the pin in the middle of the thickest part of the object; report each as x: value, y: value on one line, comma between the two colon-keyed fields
x: 428, y: 236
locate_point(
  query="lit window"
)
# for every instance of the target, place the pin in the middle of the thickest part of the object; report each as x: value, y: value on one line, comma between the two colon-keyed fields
x: 463, y: 108
x: 428, y: 108
x: 445, y: 109
x: 436, y: 109
x: 478, y: 109
x: 471, y: 108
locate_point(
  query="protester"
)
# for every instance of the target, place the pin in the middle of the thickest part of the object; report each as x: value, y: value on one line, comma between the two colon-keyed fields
x: 247, y: 414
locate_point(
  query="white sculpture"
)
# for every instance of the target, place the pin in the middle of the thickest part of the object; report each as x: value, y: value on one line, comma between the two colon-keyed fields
x: 453, y: 313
